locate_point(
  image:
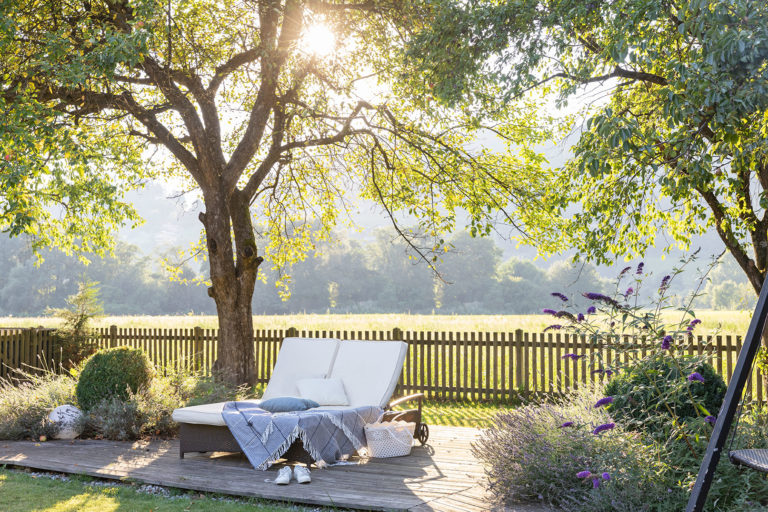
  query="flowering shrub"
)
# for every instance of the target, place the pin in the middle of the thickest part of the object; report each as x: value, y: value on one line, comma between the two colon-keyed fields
x: 652, y: 377
x: 571, y: 455
x: 638, y: 444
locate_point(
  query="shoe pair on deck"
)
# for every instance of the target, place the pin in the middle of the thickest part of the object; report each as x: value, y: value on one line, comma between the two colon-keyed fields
x: 299, y: 472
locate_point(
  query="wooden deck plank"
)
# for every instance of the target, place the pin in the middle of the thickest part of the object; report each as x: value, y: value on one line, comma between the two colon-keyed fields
x: 440, y: 476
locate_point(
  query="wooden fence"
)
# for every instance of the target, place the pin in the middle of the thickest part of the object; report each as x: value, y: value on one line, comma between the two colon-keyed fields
x: 500, y: 366
x: 26, y: 349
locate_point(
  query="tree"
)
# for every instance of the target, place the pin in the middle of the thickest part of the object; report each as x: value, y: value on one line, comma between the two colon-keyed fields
x: 271, y: 109
x: 674, y: 95
x: 83, y: 306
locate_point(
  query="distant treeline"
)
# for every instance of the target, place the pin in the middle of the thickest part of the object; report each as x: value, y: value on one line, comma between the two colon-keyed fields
x: 345, y: 277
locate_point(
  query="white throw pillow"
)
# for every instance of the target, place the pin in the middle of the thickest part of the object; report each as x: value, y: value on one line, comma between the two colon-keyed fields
x: 323, y: 391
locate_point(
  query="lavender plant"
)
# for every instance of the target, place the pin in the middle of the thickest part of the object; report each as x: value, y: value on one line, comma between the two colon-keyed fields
x: 570, y: 454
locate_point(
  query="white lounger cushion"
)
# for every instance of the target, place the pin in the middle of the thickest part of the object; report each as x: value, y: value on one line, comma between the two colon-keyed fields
x: 208, y: 414
x: 300, y: 358
x: 369, y: 370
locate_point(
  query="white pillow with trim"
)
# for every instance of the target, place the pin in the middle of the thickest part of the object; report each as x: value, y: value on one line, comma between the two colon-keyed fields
x: 323, y: 391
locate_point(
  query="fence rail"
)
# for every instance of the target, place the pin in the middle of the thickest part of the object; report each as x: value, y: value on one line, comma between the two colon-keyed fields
x: 498, y: 366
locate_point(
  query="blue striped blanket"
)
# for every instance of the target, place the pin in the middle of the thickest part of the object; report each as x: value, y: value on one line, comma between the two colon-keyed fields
x: 327, y: 434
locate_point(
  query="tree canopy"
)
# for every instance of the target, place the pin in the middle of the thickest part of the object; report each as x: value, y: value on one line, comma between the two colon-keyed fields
x: 671, y: 127
x: 274, y: 111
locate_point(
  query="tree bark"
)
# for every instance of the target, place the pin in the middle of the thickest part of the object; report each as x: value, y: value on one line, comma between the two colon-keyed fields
x: 234, y: 266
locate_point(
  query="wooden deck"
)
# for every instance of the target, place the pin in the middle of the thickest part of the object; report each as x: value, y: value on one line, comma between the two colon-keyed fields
x: 441, y: 476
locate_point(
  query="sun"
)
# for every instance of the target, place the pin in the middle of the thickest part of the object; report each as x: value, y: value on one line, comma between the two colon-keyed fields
x: 319, y: 40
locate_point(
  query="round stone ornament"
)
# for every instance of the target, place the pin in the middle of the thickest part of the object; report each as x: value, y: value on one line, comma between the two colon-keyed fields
x: 68, y: 419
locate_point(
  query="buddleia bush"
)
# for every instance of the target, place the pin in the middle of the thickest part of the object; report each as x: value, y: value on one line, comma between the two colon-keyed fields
x: 657, y: 393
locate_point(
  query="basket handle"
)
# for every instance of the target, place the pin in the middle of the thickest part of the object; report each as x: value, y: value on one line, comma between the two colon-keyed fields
x: 395, y: 417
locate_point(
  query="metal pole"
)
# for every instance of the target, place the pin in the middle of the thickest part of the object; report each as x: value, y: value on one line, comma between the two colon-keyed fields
x: 730, y: 403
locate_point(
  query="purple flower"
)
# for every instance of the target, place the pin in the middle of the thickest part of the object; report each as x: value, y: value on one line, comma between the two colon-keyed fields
x: 604, y: 401
x: 606, y: 475
x: 595, y: 483
x: 626, y: 269
x: 664, y: 282
x: 567, y: 424
x: 603, y: 428
x: 710, y: 419
x: 666, y: 342
x: 591, y: 310
x: 695, y: 376
x: 606, y: 372
x: 601, y: 298
x: 574, y: 357
x: 584, y: 474
x: 640, y: 268
x: 548, y: 311
x: 629, y: 291
x: 553, y: 327
x: 580, y: 317
x: 566, y: 314
x: 560, y: 296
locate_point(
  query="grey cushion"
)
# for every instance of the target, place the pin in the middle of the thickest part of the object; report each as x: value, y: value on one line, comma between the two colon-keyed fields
x: 287, y: 404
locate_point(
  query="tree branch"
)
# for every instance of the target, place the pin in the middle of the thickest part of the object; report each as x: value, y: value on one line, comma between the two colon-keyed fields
x: 272, y: 63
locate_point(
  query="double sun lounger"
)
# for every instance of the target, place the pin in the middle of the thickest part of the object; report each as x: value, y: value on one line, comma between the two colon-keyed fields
x: 369, y: 371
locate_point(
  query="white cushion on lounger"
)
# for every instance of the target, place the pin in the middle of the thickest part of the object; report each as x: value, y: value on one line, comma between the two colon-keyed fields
x: 369, y: 370
x: 300, y: 358
x: 207, y: 414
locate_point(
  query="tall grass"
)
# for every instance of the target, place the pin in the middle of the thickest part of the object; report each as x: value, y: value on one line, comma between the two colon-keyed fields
x: 731, y: 322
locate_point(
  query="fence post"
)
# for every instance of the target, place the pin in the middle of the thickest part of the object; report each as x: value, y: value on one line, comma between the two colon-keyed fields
x: 519, y: 359
x: 397, y: 334
x: 292, y: 332
x: 112, y: 336
x: 29, y: 349
x: 198, y: 348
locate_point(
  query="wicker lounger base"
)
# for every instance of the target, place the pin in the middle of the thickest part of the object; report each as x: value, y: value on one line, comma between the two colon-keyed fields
x: 213, y: 438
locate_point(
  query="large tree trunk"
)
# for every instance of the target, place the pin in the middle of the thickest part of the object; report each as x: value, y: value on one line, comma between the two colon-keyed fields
x: 234, y: 266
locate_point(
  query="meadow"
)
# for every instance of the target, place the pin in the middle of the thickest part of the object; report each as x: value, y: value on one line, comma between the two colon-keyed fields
x: 730, y: 322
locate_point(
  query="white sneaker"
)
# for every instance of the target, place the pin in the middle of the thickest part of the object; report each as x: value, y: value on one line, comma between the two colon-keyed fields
x: 302, y: 474
x: 284, y: 476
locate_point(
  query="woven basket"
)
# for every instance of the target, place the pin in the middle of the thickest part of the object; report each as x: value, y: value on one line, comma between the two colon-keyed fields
x: 389, y: 439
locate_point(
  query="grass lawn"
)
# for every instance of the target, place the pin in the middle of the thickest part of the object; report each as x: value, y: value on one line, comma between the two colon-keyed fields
x: 27, y: 492
x: 730, y: 322
x: 460, y: 414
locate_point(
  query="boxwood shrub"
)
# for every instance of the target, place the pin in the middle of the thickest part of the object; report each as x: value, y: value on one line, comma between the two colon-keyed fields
x: 113, y: 373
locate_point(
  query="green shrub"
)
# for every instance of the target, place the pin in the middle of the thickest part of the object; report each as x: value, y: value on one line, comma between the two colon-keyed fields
x: 656, y: 391
x: 113, y: 373
x: 156, y: 405
x: 116, y: 419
